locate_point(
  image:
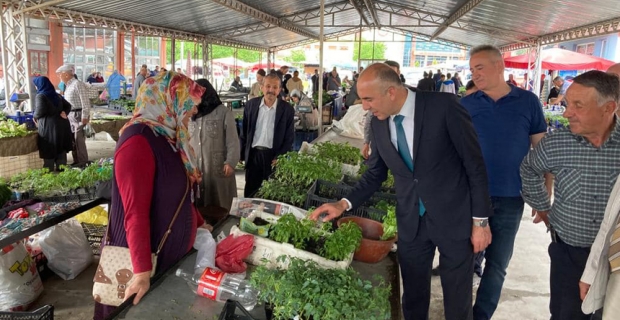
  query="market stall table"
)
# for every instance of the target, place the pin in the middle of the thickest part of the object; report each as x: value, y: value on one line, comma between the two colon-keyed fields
x: 170, y: 297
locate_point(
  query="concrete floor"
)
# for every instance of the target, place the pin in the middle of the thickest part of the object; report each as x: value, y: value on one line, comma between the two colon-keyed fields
x: 525, y: 295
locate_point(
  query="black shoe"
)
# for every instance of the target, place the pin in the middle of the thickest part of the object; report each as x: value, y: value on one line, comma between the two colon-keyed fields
x: 435, y: 272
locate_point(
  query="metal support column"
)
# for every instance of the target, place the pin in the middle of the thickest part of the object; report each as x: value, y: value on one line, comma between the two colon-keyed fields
x: 320, y: 98
x: 14, y: 54
x: 538, y: 68
x: 206, y: 73
x: 269, y: 67
x: 359, y: 49
x: 173, y: 57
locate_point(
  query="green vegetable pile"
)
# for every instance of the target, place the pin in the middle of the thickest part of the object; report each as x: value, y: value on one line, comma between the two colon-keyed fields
x: 343, y: 153
x: 5, y: 192
x: 303, y: 235
x: 294, y: 174
x: 310, y: 292
x: 47, y: 184
x: 551, y: 119
x: 10, y: 128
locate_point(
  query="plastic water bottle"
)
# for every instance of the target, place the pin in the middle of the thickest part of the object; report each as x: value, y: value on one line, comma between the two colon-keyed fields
x: 219, y: 286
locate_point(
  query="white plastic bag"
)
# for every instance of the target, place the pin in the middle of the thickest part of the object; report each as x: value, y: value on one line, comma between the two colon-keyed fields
x: 66, y: 248
x: 20, y: 284
x: 352, y: 124
x: 205, y: 244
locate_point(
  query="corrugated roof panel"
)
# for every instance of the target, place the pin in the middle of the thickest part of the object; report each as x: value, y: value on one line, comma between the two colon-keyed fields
x: 347, y: 17
x: 538, y: 18
x: 281, y: 8
x: 472, y: 38
x: 189, y: 15
x: 271, y: 37
x: 441, y: 7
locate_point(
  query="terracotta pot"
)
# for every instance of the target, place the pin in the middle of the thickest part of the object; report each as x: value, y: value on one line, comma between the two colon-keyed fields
x: 212, y: 214
x: 371, y: 250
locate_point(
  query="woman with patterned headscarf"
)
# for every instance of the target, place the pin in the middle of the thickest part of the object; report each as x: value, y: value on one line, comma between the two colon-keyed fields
x: 216, y: 143
x: 154, y: 174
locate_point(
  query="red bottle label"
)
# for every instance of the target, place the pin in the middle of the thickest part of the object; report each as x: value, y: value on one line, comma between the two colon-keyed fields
x: 209, y: 283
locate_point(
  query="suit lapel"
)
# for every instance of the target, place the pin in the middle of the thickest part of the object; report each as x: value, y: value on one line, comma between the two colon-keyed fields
x: 279, y: 112
x: 417, y: 124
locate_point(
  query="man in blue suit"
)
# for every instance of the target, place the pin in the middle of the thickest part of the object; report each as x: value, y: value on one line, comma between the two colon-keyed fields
x: 429, y: 143
x: 268, y: 132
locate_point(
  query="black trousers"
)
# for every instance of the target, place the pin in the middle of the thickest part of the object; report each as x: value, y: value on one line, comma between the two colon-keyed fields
x: 455, y: 268
x: 257, y: 169
x: 567, y: 265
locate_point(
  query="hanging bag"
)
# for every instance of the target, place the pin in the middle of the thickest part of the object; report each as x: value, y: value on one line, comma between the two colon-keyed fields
x: 115, y: 271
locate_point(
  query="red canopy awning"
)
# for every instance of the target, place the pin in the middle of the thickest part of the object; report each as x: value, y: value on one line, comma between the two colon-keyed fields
x: 560, y: 59
x: 263, y: 65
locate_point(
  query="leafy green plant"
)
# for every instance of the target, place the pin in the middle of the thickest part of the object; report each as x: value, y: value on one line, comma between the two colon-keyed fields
x: 389, y: 220
x: 342, y: 242
x: 343, y: 153
x: 308, y: 291
x: 10, y: 128
x: 326, y: 98
x: 290, y: 230
x: 551, y: 119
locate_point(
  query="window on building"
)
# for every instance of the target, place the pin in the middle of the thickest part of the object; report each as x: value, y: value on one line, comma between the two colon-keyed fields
x: 419, y: 61
x: 603, y: 48
x: 89, y: 50
x: 331, y: 48
x: 147, y: 51
x: 344, y: 48
x: 586, y: 48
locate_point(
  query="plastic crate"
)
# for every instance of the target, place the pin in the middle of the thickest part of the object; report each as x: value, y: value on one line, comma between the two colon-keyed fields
x: 43, y: 313
x: 323, y: 192
x: 41, y: 261
x: 81, y: 197
x: 94, y: 234
x: 352, y: 181
x: 28, y: 119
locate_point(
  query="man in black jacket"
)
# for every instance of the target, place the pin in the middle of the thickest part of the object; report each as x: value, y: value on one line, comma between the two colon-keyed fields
x: 429, y: 143
x: 426, y: 84
x: 268, y: 132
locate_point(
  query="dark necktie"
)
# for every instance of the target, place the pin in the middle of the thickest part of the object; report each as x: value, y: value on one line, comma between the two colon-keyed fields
x: 403, y: 149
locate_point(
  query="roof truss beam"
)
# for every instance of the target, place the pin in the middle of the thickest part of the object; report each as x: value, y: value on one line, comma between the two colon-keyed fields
x: 302, y: 16
x: 373, y: 12
x: 266, y: 17
x: 587, y: 31
x: 460, y: 12
x: 39, y: 4
x: 440, y: 20
x: 80, y: 19
x: 360, y: 11
x: 426, y: 37
x: 329, y: 36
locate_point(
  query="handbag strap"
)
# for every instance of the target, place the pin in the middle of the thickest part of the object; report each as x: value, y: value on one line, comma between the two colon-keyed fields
x: 169, y: 231
x: 176, y: 214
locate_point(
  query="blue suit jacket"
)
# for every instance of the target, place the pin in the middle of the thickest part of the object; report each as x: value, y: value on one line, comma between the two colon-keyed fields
x: 449, y: 173
x: 283, y: 133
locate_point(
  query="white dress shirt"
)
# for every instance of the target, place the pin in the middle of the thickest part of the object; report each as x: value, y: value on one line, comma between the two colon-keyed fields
x: 265, y: 125
x: 408, y: 111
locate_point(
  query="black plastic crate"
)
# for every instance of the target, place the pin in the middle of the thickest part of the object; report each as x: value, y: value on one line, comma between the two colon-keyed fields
x: 41, y: 261
x: 323, y: 192
x: 94, y: 234
x: 352, y: 181
x: 43, y: 313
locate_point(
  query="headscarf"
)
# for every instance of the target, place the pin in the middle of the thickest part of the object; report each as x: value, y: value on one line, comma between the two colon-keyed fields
x: 210, y: 99
x: 162, y: 103
x: 45, y: 87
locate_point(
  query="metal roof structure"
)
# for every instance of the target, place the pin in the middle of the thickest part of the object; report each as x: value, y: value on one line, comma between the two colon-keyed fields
x: 280, y: 24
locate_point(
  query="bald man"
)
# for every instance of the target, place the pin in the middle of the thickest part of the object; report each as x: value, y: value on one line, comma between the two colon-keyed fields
x: 441, y: 188
x: 615, y: 69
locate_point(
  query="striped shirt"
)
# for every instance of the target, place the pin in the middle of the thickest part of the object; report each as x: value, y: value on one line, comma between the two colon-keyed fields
x: 584, y: 177
x: 77, y: 95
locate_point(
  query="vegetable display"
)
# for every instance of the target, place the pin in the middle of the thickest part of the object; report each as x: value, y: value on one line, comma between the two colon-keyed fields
x: 307, y: 291
x: 10, y: 128
x: 389, y: 220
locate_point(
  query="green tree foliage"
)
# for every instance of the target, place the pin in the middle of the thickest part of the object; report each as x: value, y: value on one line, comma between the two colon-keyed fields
x: 218, y: 52
x: 297, y: 56
x: 367, y: 51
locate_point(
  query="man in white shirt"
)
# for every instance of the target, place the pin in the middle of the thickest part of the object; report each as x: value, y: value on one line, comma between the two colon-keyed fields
x: 268, y: 132
x: 76, y: 93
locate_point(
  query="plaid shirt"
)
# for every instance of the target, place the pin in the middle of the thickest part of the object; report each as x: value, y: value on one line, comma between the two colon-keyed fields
x: 77, y: 95
x: 584, y: 178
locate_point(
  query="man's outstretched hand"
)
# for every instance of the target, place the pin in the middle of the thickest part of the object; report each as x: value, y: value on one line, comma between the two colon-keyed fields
x: 333, y: 210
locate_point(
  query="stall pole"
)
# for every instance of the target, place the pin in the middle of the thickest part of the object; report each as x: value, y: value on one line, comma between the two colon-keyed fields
x: 320, y: 104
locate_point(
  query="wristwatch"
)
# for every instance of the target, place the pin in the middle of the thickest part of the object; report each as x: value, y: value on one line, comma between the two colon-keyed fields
x: 481, y: 222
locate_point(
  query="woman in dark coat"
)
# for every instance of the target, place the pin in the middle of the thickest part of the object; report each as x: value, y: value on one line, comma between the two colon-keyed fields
x: 55, y: 137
